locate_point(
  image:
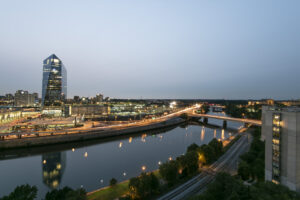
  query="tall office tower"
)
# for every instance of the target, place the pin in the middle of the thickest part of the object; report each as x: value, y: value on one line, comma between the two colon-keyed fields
x: 54, y: 90
x: 281, y: 131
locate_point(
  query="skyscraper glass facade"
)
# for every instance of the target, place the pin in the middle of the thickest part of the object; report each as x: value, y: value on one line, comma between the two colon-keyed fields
x: 54, y: 89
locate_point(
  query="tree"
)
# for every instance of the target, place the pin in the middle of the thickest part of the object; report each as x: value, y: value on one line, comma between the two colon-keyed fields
x: 189, y: 162
x: 22, y: 192
x: 169, y: 172
x: 143, y: 186
x: 113, y: 182
x: 66, y: 194
x: 224, y: 187
x: 208, y: 153
x: 204, y: 108
x: 217, y: 146
x: 192, y: 147
x: 244, y: 170
x: 184, y: 116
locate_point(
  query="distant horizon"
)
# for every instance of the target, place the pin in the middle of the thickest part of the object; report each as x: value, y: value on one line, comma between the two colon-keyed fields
x: 155, y: 49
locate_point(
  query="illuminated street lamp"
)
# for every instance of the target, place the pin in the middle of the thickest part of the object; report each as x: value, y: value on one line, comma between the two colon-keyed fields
x: 144, y: 168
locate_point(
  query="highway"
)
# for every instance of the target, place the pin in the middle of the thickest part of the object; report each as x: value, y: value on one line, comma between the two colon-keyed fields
x: 225, y: 163
x: 249, y: 121
x: 88, y: 127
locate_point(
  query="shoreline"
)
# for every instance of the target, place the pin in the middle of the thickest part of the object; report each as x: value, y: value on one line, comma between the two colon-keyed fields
x: 86, y: 135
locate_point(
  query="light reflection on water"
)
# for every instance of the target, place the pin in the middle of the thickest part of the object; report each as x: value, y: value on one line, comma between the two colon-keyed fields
x: 93, y: 166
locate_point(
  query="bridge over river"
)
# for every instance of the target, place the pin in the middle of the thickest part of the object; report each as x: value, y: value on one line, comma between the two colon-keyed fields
x: 226, y: 118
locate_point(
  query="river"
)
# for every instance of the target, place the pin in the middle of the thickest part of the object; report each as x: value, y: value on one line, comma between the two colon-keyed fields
x: 92, y: 164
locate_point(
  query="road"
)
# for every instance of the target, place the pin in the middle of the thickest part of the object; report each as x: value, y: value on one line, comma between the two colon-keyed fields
x: 89, y: 126
x: 225, y: 163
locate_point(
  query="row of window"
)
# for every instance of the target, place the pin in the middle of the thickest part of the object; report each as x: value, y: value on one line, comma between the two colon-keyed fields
x: 276, y: 148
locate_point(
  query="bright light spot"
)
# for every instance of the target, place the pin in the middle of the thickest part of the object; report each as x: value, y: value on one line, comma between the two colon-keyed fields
x: 121, y: 144
x: 144, y: 168
x: 124, y: 174
x: 130, y: 139
x: 223, y: 136
x: 86, y: 154
x: 159, y: 162
x: 170, y: 158
x: 73, y: 149
x: 58, y: 166
x: 44, y: 161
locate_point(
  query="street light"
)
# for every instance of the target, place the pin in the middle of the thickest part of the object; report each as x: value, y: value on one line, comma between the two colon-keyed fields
x: 144, y: 168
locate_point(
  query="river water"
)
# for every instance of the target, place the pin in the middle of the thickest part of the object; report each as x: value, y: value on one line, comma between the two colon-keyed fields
x: 92, y: 164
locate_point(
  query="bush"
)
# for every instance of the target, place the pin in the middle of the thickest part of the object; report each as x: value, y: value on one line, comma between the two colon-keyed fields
x: 113, y: 182
x: 66, y: 194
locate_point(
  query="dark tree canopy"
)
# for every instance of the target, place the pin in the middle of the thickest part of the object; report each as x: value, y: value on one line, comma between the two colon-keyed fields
x: 22, y: 192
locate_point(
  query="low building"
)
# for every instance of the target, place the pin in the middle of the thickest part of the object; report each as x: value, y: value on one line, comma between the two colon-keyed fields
x: 281, y: 132
x: 89, y: 110
x: 7, y: 115
x: 24, y: 98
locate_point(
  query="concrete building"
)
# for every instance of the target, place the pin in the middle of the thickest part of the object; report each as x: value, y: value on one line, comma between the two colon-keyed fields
x: 89, y: 110
x: 24, y: 98
x: 281, y: 132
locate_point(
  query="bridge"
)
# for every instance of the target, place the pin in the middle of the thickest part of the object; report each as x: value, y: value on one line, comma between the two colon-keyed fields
x: 225, y: 119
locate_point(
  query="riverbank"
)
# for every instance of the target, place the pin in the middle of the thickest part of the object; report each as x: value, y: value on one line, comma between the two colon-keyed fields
x: 121, y: 188
x: 86, y: 135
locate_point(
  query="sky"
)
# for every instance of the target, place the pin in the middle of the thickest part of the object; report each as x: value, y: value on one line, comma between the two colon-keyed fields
x: 155, y: 48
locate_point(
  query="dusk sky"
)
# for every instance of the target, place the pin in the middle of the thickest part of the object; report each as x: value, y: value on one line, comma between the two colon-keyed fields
x: 155, y: 48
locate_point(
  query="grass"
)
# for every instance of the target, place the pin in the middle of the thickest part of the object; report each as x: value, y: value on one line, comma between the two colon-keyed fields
x: 109, y: 193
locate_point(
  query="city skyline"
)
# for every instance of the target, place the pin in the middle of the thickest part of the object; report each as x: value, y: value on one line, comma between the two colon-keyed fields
x: 149, y: 50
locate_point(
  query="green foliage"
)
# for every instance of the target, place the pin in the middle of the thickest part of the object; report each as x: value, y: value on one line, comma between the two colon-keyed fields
x: 169, y: 172
x: 143, y: 186
x: 188, y: 162
x: 251, y: 112
x: 23, y: 192
x: 184, y: 116
x: 270, y: 191
x: 208, y: 152
x: 243, y: 170
x: 226, y: 187
x: 192, y: 147
x: 217, y: 146
x: 204, y: 108
x: 252, y: 164
x: 66, y: 194
x: 113, y: 182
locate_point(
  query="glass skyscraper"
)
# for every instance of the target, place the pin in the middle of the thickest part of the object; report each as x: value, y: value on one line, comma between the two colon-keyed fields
x: 54, y: 90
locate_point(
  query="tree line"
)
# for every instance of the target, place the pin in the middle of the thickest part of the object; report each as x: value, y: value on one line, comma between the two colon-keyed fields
x: 249, y: 184
x: 27, y: 192
x: 174, y: 172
